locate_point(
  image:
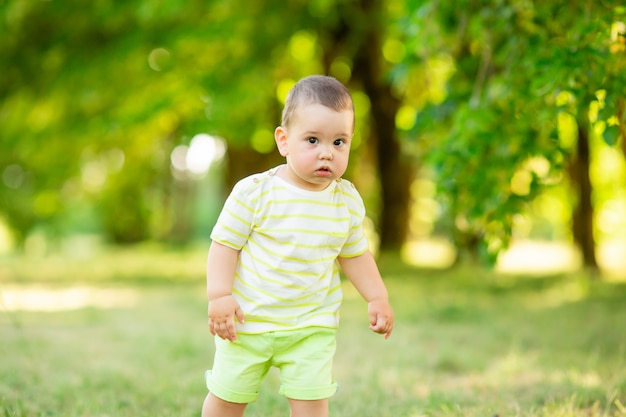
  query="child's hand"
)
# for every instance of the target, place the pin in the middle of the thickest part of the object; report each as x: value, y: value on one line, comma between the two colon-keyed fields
x: 381, y: 317
x: 222, y: 314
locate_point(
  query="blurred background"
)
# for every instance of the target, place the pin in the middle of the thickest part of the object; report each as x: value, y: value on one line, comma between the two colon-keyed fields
x: 488, y: 132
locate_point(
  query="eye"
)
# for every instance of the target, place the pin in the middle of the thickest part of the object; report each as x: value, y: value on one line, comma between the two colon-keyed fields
x: 339, y: 142
x: 312, y: 140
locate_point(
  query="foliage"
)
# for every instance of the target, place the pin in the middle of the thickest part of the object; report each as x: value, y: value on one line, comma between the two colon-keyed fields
x: 93, y: 100
x: 90, y: 103
x: 494, y: 140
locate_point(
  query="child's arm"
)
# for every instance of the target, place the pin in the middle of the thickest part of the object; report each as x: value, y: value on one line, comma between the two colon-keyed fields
x: 223, y: 308
x: 364, y: 275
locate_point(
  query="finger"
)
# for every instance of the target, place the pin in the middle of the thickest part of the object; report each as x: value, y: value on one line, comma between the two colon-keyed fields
x: 377, y: 329
x: 232, y: 332
x: 219, y: 330
x: 239, y: 315
x: 388, y: 333
x: 373, y: 318
x: 374, y: 326
x: 379, y: 322
x: 383, y: 325
x: 228, y: 331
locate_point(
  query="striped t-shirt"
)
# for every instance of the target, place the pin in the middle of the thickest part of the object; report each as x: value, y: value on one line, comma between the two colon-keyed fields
x: 289, y: 239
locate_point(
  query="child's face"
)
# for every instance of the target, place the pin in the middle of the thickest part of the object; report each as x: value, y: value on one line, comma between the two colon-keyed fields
x: 316, y: 145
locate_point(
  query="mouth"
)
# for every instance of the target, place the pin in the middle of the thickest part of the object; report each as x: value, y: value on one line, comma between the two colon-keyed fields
x: 323, y: 172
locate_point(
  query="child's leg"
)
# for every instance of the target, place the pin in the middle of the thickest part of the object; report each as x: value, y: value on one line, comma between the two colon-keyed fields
x: 314, y: 408
x: 216, y: 407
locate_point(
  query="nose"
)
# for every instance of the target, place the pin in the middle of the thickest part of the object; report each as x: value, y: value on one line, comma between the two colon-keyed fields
x: 326, y: 153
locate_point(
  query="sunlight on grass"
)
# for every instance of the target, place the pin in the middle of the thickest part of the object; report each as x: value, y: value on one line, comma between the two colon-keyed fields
x: 119, y: 264
x: 106, y: 278
x: 612, y: 257
x: 535, y: 257
x: 433, y: 253
x: 41, y: 298
x: 524, y: 257
x: 529, y: 257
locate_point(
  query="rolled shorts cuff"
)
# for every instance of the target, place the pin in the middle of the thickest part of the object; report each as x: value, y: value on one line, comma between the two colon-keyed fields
x: 309, y: 393
x: 227, y: 394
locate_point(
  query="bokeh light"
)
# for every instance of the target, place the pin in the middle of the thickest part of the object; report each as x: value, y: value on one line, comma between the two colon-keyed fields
x: 13, y: 176
x: 195, y: 160
x: 158, y: 59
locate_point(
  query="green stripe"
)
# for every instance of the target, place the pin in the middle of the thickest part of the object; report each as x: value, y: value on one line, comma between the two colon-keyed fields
x: 307, y: 216
x: 292, y: 258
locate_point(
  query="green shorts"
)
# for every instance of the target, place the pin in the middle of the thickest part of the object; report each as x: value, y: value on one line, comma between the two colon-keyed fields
x: 304, y: 358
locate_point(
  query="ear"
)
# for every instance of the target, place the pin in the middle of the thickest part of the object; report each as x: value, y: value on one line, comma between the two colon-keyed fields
x: 280, y: 136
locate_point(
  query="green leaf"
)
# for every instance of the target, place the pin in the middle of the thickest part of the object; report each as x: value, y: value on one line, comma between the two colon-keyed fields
x: 611, y: 134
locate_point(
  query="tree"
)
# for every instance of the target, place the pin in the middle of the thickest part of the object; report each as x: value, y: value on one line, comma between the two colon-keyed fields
x: 90, y: 110
x: 94, y: 101
x: 513, y: 63
x: 582, y: 64
x: 479, y: 136
x: 123, y: 85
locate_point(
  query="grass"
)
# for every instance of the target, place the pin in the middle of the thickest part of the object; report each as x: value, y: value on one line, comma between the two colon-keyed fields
x: 467, y: 343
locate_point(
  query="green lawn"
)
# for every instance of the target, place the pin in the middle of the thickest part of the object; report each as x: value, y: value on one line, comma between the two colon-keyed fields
x: 466, y: 343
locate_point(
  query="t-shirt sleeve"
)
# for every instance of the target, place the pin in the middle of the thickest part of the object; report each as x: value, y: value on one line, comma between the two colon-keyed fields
x: 234, y: 223
x: 356, y: 244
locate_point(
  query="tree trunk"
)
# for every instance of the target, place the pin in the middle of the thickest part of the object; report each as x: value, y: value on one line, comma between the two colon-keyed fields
x: 582, y: 219
x: 394, y: 169
x: 183, y: 198
x: 244, y: 161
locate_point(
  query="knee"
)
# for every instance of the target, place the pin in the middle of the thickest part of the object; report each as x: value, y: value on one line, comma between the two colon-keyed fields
x: 216, y: 407
x: 309, y: 408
